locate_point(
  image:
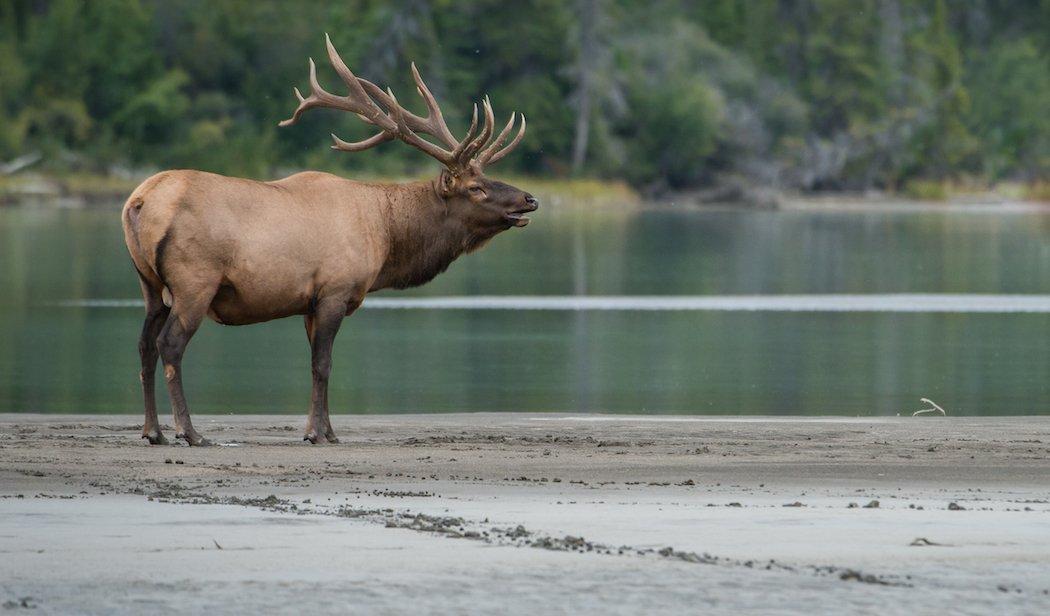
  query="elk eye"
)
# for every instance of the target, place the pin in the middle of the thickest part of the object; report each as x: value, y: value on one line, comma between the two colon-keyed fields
x: 476, y: 190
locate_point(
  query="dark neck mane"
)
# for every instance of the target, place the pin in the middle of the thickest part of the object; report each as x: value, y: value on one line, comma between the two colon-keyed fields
x: 423, y: 238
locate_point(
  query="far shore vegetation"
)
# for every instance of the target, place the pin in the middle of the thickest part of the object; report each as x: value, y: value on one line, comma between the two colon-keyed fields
x: 81, y: 187
x: 722, y: 100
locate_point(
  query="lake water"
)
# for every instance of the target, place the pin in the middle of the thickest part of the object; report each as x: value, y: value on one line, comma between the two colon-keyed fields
x: 820, y: 310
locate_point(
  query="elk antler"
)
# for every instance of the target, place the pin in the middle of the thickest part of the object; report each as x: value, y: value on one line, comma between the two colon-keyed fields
x: 396, y: 122
x: 492, y: 153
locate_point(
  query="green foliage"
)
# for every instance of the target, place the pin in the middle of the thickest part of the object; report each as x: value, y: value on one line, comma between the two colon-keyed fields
x: 799, y: 93
x: 926, y: 190
x: 148, y: 117
x: 12, y: 82
x: 676, y: 129
x: 1011, y: 109
x: 946, y: 143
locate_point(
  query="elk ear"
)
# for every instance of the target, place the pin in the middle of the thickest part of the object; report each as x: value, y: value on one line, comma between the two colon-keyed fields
x: 447, y: 183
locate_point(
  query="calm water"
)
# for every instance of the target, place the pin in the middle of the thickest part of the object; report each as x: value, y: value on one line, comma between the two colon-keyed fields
x: 67, y: 344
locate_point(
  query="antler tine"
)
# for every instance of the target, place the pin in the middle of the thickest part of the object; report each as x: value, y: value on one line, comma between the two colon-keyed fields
x: 458, y: 152
x: 411, y: 138
x: 406, y: 122
x: 318, y: 98
x: 433, y: 110
x: 357, y: 146
x: 483, y: 137
x: 471, y: 131
x: 370, y: 112
x: 498, y: 141
x: 357, y: 101
x: 433, y: 124
x: 492, y: 158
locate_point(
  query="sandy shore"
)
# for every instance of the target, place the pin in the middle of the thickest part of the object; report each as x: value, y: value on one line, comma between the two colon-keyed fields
x: 527, y: 513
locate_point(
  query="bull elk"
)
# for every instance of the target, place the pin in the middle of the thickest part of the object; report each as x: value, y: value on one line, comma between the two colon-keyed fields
x: 241, y: 251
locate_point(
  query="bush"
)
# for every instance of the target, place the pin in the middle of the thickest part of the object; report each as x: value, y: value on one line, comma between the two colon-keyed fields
x: 1038, y: 191
x: 926, y: 190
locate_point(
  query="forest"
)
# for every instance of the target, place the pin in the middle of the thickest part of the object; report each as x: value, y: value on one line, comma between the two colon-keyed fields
x: 666, y: 95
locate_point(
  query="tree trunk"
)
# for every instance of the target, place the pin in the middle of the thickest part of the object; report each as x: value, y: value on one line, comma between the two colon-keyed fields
x: 891, y: 46
x: 587, y: 14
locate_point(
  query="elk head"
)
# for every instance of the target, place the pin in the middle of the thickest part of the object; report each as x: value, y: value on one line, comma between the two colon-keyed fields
x: 487, y: 205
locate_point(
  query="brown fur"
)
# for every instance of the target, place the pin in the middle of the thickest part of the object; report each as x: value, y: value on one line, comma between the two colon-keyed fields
x: 241, y: 251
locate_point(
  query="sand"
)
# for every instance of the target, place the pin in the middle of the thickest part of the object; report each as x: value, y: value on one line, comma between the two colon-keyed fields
x: 524, y: 513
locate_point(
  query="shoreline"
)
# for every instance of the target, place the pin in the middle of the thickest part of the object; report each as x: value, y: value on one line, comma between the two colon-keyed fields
x: 91, y: 189
x: 695, y: 507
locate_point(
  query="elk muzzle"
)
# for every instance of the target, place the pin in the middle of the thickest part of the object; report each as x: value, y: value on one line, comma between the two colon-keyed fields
x: 517, y: 217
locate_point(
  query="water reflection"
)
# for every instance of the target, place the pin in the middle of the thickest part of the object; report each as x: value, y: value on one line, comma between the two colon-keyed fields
x: 56, y: 358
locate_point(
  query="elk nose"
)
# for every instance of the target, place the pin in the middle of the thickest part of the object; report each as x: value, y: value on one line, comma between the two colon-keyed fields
x: 531, y: 201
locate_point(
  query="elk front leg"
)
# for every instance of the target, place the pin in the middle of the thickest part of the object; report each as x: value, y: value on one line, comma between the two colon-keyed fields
x: 182, y: 323
x: 156, y: 314
x: 321, y: 327
x: 329, y: 433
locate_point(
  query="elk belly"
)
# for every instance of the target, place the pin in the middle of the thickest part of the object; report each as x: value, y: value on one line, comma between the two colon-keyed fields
x: 243, y: 305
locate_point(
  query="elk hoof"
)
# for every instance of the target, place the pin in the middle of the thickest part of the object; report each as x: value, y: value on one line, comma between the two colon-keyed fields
x: 315, y: 438
x: 155, y: 437
x: 193, y: 439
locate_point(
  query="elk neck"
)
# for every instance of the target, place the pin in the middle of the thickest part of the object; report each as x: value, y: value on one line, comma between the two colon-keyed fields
x: 425, y: 237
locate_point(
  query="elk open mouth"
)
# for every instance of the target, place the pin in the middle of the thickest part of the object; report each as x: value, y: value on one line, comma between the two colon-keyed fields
x: 517, y: 219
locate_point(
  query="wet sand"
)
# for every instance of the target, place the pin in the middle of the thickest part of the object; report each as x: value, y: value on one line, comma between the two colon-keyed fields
x: 519, y: 513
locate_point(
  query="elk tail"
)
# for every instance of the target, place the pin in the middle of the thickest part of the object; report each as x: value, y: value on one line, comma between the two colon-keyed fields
x: 131, y: 217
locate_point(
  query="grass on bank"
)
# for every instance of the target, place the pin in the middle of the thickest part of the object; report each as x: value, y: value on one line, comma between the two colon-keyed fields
x: 1038, y: 191
x: 943, y: 190
x: 83, y: 186
x: 99, y: 187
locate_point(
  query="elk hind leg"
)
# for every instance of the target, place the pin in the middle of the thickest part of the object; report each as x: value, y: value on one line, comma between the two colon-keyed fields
x: 184, y: 319
x: 156, y: 314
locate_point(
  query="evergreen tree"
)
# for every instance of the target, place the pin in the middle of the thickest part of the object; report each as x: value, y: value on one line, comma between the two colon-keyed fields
x: 666, y: 94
